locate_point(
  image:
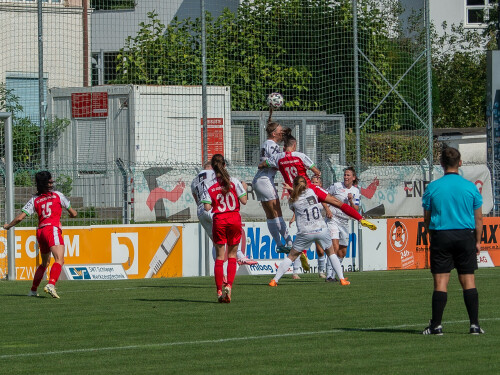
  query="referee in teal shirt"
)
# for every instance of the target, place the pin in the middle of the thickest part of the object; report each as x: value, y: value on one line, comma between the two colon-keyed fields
x: 454, y: 221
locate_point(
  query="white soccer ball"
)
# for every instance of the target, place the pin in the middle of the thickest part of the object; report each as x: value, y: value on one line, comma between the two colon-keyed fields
x: 275, y: 100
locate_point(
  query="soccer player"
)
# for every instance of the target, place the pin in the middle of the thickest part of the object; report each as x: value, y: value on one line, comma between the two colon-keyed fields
x: 311, y: 227
x: 454, y: 220
x: 48, y: 205
x: 263, y: 185
x: 223, y: 197
x: 336, y: 220
x: 292, y: 163
x: 198, y: 187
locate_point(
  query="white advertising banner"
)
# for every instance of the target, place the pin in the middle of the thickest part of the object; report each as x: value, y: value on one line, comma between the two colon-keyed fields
x: 392, y: 191
x: 93, y: 272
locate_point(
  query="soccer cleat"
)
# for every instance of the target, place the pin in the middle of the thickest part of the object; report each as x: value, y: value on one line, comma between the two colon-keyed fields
x: 219, y: 296
x: 475, y: 330
x: 283, y: 249
x: 304, y: 262
x: 295, y: 276
x: 322, y: 275
x: 367, y: 224
x: 273, y: 283
x: 226, y: 293
x: 245, y: 260
x: 331, y: 280
x: 32, y: 293
x: 344, y: 282
x: 430, y: 330
x: 51, y: 289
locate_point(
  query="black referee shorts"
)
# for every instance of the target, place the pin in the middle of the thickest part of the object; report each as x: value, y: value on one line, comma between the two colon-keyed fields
x: 453, y: 249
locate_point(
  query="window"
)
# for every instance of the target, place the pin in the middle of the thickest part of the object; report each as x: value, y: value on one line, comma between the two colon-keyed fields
x: 477, y: 12
x: 103, y: 68
x: 25, y: 87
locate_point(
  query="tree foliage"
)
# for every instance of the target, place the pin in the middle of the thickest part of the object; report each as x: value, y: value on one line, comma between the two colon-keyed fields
x: 302, y: 48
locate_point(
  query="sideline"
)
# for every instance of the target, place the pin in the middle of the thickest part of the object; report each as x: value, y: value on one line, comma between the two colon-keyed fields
x: 230, y: 339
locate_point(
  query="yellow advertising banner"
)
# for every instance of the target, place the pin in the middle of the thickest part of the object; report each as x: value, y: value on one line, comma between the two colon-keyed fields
x: 144, y: 251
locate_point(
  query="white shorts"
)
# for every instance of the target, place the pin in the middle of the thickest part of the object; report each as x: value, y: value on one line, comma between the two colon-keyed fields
x: 206, y: 219
x: 338, y: 232
x: 264, y: 189
x: 304, y: 241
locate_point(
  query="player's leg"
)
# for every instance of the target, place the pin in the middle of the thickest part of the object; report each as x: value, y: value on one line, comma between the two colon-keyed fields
x: 296, y: 269
x: 337, y: 267
x: 321, y: 260
x: 284, y: 266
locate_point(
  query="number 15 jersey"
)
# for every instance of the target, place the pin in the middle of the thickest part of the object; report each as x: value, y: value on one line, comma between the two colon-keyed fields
x: 48, y: 207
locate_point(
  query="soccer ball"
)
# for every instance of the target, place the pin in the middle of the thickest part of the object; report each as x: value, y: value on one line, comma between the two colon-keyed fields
x: 275, y: 100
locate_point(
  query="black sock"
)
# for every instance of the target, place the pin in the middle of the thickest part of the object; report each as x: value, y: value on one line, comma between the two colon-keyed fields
x: 471, y: 300
x: 439, y: 300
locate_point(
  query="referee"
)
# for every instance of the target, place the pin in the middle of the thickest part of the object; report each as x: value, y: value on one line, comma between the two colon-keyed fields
x: 453, y: 217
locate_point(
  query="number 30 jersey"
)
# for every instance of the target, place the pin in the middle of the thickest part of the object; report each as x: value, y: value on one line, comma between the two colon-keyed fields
x: 48, y: 207
x: 222, y: 203
x: 307, y: 211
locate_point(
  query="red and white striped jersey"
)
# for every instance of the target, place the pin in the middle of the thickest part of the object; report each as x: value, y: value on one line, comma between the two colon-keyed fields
x: 291, y: 165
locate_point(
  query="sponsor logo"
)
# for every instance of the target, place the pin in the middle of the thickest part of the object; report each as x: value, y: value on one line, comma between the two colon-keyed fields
x: 79, y: 273
x: 125, y: 250
x: 398, y: 237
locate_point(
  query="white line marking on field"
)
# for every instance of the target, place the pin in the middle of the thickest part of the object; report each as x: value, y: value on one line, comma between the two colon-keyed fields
x: 230, y: 339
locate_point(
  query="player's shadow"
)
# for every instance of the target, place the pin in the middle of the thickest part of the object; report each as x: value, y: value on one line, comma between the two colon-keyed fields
x: 183, y: 286
x: 379, y: 330
x: 181, y: 300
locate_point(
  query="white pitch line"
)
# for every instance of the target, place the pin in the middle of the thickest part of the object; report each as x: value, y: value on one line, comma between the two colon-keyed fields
x: 230, y: 339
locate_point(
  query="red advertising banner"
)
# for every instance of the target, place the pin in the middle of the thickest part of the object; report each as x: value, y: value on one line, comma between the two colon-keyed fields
x: 215, y: 136
x: 89, y: 104
x: 408, y: 244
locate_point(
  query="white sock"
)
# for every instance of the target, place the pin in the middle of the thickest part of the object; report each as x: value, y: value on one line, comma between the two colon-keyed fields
x: 329, y: 269
x: 284, y: 231
x: 296, y: 265
x: 282, y: 268
x: 274, y: 228
x: 239, y: 254
x: 321, y: 263
x: 334, y: 259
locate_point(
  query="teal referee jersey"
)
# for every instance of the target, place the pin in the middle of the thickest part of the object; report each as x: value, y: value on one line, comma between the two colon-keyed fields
x: 451, y: 200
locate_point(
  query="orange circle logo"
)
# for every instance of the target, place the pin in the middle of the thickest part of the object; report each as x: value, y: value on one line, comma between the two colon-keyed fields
x: 398, y: 236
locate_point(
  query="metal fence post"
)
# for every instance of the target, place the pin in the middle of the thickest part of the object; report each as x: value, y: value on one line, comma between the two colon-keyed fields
x: 9, y: 195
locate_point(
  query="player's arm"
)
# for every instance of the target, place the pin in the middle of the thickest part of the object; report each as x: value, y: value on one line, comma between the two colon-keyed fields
x: 16, y: 221
x: 72, y: 212
x: 328, y: 212
x: 243, y: 197
x: 315, y: 170
x: 478, y: 219
x: 427, y: 219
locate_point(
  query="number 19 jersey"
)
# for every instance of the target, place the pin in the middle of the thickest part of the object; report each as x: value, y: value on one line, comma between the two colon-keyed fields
x: 291, y: 165
x: 48, y: 207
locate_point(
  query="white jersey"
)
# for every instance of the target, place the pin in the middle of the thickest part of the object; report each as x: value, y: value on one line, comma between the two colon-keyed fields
x: 200, y: 184
x: 308, y: 213
x: 268, y: 149
x: 339, y: 191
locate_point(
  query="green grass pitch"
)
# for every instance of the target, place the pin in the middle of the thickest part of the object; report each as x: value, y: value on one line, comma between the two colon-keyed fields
x: 307, y: 326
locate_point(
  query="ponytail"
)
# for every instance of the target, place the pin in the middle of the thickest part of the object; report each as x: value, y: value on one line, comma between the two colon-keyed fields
x: 299, y: 186
x: 219, y: 167
x: 288, y: 139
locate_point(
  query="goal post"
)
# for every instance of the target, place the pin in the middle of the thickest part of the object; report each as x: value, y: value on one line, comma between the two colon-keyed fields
x: 9, y: 247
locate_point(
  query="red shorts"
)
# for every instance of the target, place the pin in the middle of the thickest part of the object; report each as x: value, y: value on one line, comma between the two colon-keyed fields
x: 47, y: 237
x: 319, y: 191
x: 227, y: 228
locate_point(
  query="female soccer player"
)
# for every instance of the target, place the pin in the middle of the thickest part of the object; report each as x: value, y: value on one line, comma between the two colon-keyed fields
x: 198, y: 187
x: 223, y: 197
x: 263, y: 185
x: 292, y: 163
x: 337, y: 221
x: 311, y: 227
x: 48, y: 204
